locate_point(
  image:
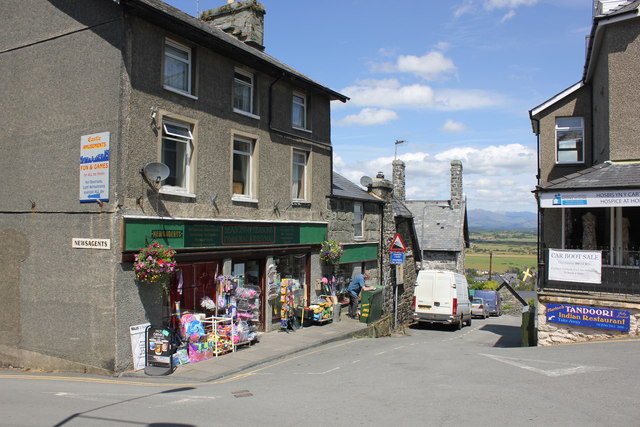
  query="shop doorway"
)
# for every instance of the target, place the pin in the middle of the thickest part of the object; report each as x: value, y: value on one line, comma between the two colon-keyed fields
x: 191, y: 284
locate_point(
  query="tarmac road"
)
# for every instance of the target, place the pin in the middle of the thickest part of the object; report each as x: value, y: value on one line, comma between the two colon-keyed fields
x: 430, y: 376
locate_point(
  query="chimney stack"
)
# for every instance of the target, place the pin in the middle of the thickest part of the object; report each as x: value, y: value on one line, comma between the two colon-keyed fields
x: 398, y: 179
x: 242, y: 19
x: 456, y: 184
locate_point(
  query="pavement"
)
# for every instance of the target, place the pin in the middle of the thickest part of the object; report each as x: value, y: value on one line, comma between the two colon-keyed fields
x: 270, y: 346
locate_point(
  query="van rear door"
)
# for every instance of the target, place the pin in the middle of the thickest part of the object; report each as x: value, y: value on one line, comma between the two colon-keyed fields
x: 434, y: 294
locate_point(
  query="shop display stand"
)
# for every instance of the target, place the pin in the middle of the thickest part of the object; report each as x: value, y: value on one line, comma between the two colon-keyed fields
x: 212, y: 325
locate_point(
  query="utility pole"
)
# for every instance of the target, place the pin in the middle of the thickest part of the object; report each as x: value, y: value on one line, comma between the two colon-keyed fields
x: 490, y: 262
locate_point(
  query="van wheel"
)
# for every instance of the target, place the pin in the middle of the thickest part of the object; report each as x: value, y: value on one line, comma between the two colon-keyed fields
x: 469, y: 322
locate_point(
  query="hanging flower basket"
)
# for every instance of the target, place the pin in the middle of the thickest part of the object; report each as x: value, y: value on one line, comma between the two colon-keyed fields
x: 155, y: 264
x: 331, y: 251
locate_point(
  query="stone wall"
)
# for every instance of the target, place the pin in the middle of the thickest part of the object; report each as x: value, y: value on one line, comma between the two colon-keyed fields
x: 554, y: 333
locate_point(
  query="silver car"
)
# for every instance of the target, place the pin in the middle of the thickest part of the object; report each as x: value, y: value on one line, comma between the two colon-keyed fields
x: 479, y: 308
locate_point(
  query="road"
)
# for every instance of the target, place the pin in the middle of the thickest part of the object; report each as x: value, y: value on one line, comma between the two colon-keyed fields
x: 429, y: 376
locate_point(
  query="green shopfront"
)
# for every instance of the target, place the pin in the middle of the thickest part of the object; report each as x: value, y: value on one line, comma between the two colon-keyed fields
x: 255, y: 254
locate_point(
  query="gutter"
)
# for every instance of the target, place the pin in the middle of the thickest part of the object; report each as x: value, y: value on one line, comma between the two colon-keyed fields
x: 594, y: 39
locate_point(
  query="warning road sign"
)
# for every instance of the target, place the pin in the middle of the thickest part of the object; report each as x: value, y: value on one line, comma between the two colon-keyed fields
x: 397, y: 245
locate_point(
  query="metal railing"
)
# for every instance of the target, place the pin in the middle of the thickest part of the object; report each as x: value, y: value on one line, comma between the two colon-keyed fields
x: 616, y: 279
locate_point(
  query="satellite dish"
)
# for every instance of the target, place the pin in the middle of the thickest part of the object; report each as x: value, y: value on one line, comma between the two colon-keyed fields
x: 156, y: 171
x: 365, y: 181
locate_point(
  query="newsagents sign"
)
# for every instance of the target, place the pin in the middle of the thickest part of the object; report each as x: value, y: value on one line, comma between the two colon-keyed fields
x: 591, y: 199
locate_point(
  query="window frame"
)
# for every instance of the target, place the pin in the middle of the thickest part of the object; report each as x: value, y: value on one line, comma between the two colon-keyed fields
x: 578, y: 147
x: 250, y: 86
x: 358, y: 224
x: 305, y: 174
x: 189, y: 63
x: 189, y: 140
x: 248, y: 194
x: 299, y: 105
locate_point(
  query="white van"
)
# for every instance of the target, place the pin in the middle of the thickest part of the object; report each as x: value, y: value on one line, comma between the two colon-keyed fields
x: 441, y: 297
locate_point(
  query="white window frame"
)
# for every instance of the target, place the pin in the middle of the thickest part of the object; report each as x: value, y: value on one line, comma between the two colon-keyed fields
x: 250, y: 85
x: 358, y: 220
x: 188, y: 62
x: 296, y: 163
x: 297, y: 105
x: 248, y: 194
x: 578, y: 145
x: 185, y: 138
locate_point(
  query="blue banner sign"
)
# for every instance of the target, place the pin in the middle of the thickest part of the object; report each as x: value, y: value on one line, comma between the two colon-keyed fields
x: 590, y: 317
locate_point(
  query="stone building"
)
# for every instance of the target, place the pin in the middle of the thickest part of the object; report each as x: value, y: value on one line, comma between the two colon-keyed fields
x: 354, y: 219
x: 442, y: 226
x: 588, y: 187
x: 131, y: 121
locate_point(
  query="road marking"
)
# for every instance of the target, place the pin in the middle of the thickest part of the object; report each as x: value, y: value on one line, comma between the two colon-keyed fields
x: 317, y: 373
x: 557, y: 372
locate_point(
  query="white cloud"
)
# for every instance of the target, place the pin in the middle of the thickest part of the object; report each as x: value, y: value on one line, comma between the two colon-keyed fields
x: 430, y: 66
x: 492, y: 174
x: 369, y: 117
x: 389, y: 93
x: 453, y: 126
x: 508, y: 16
x: 507, y: 4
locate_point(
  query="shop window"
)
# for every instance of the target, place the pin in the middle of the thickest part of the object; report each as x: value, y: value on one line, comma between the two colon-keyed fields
x: 242, y: 167
x: 299, y: 175
x: 177, y: 147
x: 569, y: 140
x: 178, y: 67
x: 243, y: 84
x: 294, y: 269
x: 299, y: 111
x: 358, y: 216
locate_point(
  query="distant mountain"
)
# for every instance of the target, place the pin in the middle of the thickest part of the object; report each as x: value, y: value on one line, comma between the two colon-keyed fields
x: 479, y: 219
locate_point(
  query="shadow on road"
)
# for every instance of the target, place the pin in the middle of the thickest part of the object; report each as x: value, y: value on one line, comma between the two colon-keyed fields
x: 510, y: 336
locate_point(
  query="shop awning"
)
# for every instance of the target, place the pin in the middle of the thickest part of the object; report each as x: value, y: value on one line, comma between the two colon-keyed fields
x: 604, y: 185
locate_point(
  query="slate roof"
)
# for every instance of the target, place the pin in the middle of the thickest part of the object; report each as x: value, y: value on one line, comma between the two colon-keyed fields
x: 346, y: 189
x: 176, y: 20
x: 437, y: 225
x: 604, y: 175
x: 623, y: 7
x: 400, y: 209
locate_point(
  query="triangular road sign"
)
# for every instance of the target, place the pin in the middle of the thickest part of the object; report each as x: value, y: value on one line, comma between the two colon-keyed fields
x: 397, y: 245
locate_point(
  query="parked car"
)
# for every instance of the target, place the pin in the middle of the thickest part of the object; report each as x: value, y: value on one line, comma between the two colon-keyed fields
x: 441, y: 297
x: 479, y: 308
x: 493, y: 300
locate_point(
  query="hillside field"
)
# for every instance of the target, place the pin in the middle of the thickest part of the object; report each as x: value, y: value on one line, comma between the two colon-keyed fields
x: 511, y: 249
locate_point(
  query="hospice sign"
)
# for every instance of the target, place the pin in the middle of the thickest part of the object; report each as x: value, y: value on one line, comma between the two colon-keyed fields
x: 94, y: 167
x: 590, y: 317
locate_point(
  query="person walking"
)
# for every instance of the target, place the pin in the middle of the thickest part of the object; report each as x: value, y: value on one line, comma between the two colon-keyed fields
x: 353, y: 291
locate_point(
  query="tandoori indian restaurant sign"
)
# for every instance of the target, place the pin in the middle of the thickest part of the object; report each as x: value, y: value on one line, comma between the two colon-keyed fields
x: 94, y: 167
x: 575, y: 266
x: 590, y: 317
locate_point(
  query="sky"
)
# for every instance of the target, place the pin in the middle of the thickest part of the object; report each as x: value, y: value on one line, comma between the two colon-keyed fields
x: 453, y: 79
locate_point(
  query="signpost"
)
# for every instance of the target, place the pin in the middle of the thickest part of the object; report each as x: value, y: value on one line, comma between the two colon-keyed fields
x: 397, y: 250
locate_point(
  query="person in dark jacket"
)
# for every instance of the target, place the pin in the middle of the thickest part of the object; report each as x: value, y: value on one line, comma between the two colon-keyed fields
x: 353, y: 292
